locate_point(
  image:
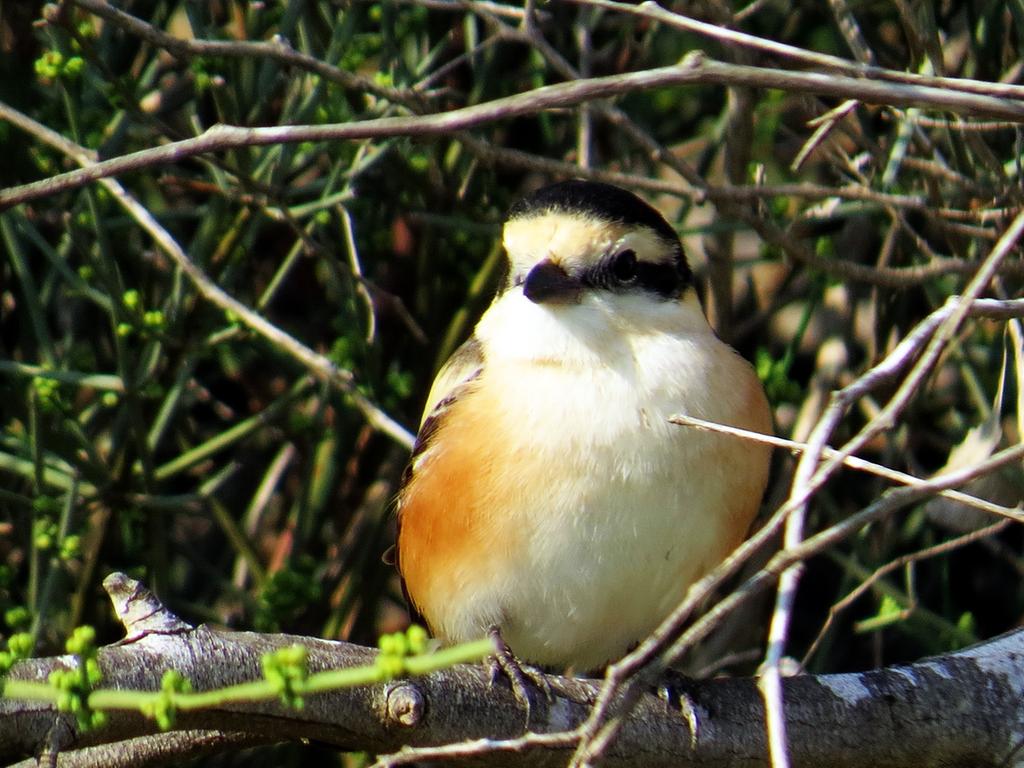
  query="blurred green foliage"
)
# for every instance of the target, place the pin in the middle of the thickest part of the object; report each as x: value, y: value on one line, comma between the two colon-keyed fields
x: 144, y: 430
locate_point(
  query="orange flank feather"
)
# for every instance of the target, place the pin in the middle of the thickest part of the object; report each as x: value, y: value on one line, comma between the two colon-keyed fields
x: 450, y: 534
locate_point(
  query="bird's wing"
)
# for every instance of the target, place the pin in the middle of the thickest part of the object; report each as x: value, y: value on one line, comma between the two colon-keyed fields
x: 454, y: 379
x: 463, y: 366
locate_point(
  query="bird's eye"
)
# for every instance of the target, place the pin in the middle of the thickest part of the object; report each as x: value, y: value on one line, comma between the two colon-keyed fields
x: 624, y: 266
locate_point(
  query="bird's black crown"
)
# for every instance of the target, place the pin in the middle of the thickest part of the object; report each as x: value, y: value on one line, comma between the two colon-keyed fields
x: 603, y: 201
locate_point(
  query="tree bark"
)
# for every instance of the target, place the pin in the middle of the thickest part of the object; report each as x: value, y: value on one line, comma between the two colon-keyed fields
x: 965, y: 708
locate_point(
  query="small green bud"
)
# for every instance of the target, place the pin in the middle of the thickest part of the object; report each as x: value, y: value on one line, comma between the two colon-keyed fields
x: 20, y: 644
x: 286, y: 670
x: 43, y: 533
x: 16, y: 618
x: 175, y: 682
x: 45, y: 387
x: 70, y: 547
x: 82, y: 640
x: 418, y: 639
x: 46, y: 506
x: 389, y: 666
x: 48, y: 66
x: 154, y: 318
x: 73, y: 67
x: 419, y: 162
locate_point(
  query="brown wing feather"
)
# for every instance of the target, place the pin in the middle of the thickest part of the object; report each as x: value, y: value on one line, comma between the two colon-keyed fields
x: 452, y: 381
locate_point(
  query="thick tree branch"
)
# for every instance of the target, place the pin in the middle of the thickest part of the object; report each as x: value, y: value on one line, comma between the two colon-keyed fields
x: 965, y: 708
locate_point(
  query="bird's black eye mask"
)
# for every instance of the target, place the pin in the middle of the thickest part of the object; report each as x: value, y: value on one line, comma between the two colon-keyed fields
x: 622, y: 270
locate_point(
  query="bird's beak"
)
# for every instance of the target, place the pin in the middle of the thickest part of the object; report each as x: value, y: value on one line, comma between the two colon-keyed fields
x: 548, y: 283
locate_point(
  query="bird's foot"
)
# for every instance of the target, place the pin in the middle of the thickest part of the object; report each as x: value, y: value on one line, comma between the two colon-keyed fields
x: 674, y: 689
x: 524, y: 679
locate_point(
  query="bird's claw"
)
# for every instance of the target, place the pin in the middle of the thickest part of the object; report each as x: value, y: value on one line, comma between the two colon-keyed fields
x: 523, y: 678
x: 673, y: 689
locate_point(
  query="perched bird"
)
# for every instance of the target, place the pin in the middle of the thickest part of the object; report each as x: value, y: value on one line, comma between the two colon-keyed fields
x: 548, y: 495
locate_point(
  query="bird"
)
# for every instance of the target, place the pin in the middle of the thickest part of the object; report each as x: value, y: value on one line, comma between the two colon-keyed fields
x: 548, y: 497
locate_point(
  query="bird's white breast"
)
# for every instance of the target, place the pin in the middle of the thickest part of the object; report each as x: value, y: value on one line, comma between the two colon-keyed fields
x: 620, y: 510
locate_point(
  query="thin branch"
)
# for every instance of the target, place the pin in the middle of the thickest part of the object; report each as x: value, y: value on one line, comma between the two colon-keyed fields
x: 695, y: 69
x: 478, y: 748
x: 851, y: 32
x: 460, y: 6
x: 652, y: 10
x: 853, y: 462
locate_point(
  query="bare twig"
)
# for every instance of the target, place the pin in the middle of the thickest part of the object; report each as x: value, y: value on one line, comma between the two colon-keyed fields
x: 853, y: 462
x: 652, y: 10
x: 851, y: 32
x: 460, y: 6
x: 694, y: 70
